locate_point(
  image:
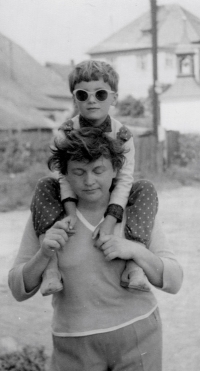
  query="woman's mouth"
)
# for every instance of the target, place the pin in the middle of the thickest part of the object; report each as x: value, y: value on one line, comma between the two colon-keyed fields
x: 90, y: 190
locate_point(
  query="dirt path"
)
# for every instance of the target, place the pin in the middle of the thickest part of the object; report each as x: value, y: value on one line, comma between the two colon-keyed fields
x: 29, y: 322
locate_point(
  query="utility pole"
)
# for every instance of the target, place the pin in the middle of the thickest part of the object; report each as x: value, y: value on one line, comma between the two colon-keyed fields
x: 155, y: 70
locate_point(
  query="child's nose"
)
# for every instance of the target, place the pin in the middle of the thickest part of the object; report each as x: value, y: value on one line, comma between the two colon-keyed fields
x: 92, y: 98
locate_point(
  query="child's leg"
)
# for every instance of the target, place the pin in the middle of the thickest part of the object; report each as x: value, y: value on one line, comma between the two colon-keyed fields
x: 51, y: 278
x: 46, y: 208
x: 141, y: 211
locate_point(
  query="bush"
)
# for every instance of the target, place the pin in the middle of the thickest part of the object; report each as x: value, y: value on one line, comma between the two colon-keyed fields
x: 29, y: 359
x: 19, y: 154
x: 130, y: 107
x: 16, y: 189
x: 189, y: 152
x: 23, y: 161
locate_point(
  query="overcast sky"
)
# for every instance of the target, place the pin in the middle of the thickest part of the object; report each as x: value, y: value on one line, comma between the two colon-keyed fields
x: 62, y: 30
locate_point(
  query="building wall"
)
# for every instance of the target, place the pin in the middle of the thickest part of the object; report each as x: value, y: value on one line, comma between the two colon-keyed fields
x: 136, y: 75
x: 197, y: 64
x: 167, y: 70
x: 183, y: 116
x: 135, y: 70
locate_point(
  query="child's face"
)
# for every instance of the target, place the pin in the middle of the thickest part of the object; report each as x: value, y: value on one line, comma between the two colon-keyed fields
x: 93, y: 109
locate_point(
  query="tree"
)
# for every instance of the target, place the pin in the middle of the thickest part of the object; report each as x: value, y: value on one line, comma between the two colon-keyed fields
x: 130, y: 106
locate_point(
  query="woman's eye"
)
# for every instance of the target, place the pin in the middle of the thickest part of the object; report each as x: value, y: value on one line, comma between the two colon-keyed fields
x: 78, y: 172
x: 99, y: 170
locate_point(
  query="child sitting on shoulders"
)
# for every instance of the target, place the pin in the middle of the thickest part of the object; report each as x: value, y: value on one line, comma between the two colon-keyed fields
x: 94, y: 86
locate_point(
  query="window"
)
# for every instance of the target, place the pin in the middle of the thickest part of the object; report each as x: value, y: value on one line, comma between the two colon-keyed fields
x: 142, y: 62
x: 168, y: 60
x: 185, y: 65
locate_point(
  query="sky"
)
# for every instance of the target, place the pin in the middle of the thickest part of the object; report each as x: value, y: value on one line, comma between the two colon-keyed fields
x: 60, y: 31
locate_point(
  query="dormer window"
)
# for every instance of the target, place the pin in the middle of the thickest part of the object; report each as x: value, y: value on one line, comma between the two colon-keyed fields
x: 185, y: 65
x: 146, y: 29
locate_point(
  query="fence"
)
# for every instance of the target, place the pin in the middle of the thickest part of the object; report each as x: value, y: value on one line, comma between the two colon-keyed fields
x: 149, y: 157
x: 154, y: 157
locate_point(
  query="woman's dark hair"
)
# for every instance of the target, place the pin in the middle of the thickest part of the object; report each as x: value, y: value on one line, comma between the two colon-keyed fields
x: 87, y: 145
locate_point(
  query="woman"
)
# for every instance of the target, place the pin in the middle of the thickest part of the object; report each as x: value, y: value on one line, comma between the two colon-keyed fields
x: 97, y: 324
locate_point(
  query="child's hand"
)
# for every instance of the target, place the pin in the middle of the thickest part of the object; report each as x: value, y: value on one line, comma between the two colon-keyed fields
x: 105, y: 228
x: 115, y: 247
x: 55, y: 238
x: 70, y: 221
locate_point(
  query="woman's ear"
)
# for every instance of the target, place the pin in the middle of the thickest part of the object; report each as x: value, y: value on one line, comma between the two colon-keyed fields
x: 114, y: 173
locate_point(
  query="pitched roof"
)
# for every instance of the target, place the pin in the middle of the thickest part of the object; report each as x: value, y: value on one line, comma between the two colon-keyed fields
x: 17, y: 117
x: 171, y: 20
x: 184, y: 88
x: 26, y: 96
x: 62, y: 70
x: 19, y: 69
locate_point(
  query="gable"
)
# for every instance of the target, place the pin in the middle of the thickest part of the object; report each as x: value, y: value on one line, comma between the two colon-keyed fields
x: 137, y: 34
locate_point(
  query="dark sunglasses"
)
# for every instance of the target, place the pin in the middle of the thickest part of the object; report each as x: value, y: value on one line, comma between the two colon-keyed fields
x: 100, y: 95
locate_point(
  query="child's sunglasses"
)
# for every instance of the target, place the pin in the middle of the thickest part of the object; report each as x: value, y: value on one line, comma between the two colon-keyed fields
x: 100, y: 95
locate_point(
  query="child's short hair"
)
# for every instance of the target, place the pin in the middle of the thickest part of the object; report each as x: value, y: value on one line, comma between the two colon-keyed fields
x: 92, y: 71
x: 87, y: 145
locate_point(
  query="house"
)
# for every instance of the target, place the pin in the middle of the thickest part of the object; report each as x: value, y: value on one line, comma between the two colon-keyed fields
x: 129, y: 49
x: 28, y: 86
x: 180, y: 103
x: 63, y: 70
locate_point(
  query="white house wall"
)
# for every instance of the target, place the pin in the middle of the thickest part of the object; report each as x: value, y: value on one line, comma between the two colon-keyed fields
x: 167, y: 70
x: 197, y: 64
x: 136, y: 71
x: 183, y: 116
x: 134, y: 79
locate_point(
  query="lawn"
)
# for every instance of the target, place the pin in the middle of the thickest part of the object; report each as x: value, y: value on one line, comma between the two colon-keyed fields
x: 29, y: 322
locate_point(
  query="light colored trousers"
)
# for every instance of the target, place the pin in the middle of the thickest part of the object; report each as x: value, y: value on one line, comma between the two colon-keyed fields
x: 137, y: 347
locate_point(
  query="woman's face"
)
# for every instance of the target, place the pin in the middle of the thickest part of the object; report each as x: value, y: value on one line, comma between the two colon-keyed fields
x: 91, y: 181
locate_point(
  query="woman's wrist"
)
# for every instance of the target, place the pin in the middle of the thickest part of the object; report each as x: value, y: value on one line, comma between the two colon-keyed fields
x: 46, y: 255
x: 135, y: 250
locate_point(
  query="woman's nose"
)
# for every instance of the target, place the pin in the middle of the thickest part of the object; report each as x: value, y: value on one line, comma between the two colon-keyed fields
x: 89, y: 179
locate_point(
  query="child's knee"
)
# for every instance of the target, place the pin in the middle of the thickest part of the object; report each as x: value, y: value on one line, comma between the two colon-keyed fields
x: 46, y: 206
x: 143, y: 191
x: 47, y: 184
x: 144, y: 185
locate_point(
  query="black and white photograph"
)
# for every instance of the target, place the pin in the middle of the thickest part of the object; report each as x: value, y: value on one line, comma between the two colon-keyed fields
x: 99, y: 185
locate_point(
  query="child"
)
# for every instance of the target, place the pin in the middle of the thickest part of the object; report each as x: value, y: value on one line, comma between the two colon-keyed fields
x: 94, y: 86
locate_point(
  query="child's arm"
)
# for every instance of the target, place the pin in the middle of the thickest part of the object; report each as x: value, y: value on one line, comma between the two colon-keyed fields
x: 68, y: 197
x: 106, y: 227
x: 120, y: 194
x: 125, y: 176
x: 69, y: 200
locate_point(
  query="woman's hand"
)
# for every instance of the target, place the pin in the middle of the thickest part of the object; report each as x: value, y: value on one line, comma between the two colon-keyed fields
x: 115, y: 247
x: 55, y: 238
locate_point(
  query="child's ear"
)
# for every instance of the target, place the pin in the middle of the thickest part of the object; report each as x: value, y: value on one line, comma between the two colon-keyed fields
x: 115, y: 97
x: 74, y: 101
x: 76, y: 107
